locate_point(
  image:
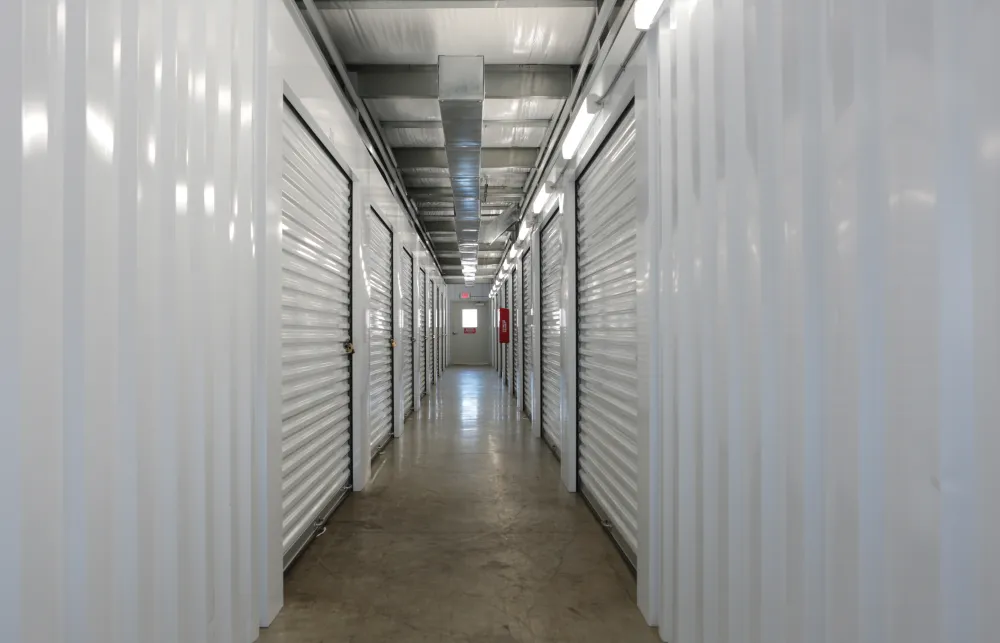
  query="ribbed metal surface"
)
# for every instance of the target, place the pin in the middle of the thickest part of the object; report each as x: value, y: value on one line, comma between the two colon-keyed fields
x: 550, y: 325
x: 380, y: 275
x: 422, y: 333
x: 434, y: 330
x: 428, y: 333
x: 407, y: 334
x: 507, y: 362
x: 515, y: 331
x: 315, y: 324
x: 528, y: 326
x: 606, y: 326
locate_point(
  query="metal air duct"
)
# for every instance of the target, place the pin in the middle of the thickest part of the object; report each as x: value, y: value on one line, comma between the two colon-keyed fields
x: 461, y: 91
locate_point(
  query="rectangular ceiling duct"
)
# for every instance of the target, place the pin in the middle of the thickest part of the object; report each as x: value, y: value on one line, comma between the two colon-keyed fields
x: 461, y: 91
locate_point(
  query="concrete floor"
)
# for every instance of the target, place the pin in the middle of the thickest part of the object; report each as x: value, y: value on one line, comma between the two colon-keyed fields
x: 465, y: 535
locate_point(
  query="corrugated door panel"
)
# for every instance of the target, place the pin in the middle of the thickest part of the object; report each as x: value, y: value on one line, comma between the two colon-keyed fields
x: 507, y: 361
x: 606, y: 326
x: 442, y: 335
x: 551, y: 328
x: 407, y: 333
x: 428, y: 333
x: 527, y: 371
x: 434, y: 331
x: 315, y: 325
x: 422, y: 334
x: 515, y: 317
x: 380, y: 274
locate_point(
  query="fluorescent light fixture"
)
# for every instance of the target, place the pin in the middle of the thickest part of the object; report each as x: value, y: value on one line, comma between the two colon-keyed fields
x: 581, y: 123
x: 646, y: 13
x: 544, y: 193
x: 525, y: 231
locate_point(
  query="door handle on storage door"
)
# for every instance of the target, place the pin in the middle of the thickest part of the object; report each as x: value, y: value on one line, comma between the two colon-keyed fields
x: 349, y: 348
x: 392, y: 342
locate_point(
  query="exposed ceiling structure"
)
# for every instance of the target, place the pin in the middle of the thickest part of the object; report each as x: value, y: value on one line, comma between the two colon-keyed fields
x: 464, y: 93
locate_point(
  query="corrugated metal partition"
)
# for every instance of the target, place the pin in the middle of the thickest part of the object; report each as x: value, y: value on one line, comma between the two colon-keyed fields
x: 407, y: 334
x: 422, y: 334
x: 315, y: 331
x: 380, y: 275
x: 551, y: 261
x: 515, y: 331
x: 528, y: 325
x: 606, y: 334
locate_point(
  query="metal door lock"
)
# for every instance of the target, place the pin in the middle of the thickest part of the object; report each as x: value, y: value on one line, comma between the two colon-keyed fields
x: 392, y: 342
x: 349, y: 348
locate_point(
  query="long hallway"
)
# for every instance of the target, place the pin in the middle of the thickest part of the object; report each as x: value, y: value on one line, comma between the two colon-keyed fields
x: 465, y: 535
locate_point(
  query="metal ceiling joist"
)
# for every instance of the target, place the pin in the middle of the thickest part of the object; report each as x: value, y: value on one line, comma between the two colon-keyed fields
x: 502, y: 81
x: 492, y: 157
x: 436, y: 194
x: 538, y: 123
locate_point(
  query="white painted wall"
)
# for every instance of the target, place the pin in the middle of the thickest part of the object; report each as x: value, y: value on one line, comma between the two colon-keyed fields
x: 828, y: 307
x: 128, y: 261
x: 140, y: 275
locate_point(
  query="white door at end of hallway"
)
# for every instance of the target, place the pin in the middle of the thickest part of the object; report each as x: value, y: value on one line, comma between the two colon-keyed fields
x: 470, y: 336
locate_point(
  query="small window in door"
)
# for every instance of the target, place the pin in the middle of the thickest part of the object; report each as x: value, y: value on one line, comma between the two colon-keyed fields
x: 470, y: 318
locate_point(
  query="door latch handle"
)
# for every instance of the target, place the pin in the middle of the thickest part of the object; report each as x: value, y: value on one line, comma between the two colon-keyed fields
x: 349, y: 348
x: 392, y: 342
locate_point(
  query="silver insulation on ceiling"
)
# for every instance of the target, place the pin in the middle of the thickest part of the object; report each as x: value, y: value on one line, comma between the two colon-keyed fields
x: 502, y: 35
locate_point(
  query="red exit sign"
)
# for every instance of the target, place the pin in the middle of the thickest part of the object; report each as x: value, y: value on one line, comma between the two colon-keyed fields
x: 466, y: 295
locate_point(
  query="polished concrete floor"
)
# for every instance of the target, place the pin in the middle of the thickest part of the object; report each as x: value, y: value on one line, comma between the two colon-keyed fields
x: 465, y: 535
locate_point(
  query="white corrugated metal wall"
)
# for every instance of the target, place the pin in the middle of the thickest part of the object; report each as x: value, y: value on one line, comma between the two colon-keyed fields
x: 315, y: 327
x: 380, y: 332
x: 128, y: 274
x: 606, y: 334
x: 550, y: 325
x: 831, y: 182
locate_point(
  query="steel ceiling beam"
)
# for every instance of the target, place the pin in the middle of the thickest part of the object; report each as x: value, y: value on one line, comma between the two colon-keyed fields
x: 446, y: 193
x: 502, y: 81
x: 537, y: 123
x: 493, y: 157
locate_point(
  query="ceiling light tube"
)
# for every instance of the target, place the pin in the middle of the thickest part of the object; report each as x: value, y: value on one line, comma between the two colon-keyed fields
x: 646, y: 13
x: 544, y: 193
x: 581, y: 124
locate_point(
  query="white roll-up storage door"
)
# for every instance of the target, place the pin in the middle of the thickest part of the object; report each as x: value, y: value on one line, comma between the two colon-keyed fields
x: 606, y: 340
x: 428, y: 333
x: 422, y: 333
x: 507, y: 351
x: 515, y: 325
x: 550, y: 325
x: 434, y: 332
x: 380, y: 329
x: 528, y: 332
x: 442, y: 335
x: 315, y: 328
x: 407, y: 333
